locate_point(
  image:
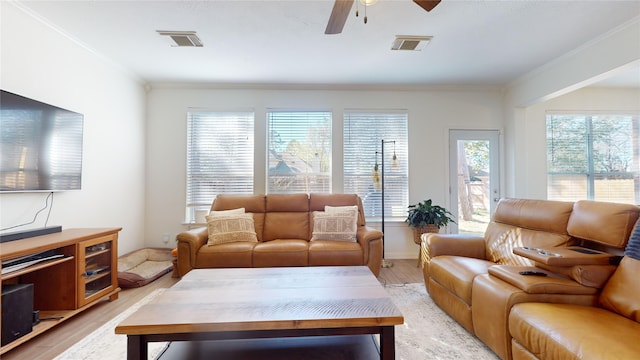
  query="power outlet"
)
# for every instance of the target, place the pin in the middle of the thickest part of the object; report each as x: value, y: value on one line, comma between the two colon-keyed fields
x: 165, y: 238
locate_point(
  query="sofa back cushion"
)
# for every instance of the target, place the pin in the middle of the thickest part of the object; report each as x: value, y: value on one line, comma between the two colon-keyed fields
x: 525, y: 222
x: 287, y: 217
x: 602, y: 222
x: 621, y: 294
x: 545, y: 215
x: 251, y: 203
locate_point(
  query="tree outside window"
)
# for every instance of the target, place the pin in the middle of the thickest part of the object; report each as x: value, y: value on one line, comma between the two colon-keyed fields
x: 593, y: 157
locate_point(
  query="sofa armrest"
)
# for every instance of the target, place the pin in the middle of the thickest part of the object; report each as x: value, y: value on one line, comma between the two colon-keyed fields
x: 371, y: 241
x: 452, y: 244
x: 189, y: 242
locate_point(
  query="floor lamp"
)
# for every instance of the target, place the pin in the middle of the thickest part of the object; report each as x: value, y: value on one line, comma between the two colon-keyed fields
x: 380, y: 178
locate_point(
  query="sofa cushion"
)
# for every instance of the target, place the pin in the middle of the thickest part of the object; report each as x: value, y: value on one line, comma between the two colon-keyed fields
x: 622, y: 292
x: 341, y: 226
x: 251, y: 203
x: 231, y: 228
x: 543, y: 215
x: 233, y: 254
x: 456, y: 273
x: 330, y: 253
x: 603, y: 222
x: 289, y: 252
x: 566, y: 331
x: 287, y: 217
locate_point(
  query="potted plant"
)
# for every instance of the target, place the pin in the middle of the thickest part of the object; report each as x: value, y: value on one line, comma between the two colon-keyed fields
x: 424, y: 217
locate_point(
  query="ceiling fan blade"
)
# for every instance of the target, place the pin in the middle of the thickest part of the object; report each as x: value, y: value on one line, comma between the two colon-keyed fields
x: 427, y: 4
x: 339, y: 14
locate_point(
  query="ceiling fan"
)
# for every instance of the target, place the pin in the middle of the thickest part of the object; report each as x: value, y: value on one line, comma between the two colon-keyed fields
x: 342, y: 8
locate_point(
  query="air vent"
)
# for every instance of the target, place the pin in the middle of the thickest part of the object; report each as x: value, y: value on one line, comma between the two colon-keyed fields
x: 411, y: 43
x: 182, y: 38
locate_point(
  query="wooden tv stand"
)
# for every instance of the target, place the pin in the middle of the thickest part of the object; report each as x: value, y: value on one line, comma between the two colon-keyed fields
x: 86, y: 274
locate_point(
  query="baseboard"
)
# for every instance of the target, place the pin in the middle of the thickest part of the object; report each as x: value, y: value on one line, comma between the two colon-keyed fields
x: 390, y: 255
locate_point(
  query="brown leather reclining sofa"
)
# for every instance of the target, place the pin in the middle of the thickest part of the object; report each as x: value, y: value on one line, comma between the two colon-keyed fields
x: 562, y: 314
x: 284, y: 226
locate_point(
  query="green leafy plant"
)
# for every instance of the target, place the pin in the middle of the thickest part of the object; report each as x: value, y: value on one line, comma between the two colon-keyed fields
x: 425, y: 213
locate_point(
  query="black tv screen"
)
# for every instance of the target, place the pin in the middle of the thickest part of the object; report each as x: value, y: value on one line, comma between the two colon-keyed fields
x: 40, y: 146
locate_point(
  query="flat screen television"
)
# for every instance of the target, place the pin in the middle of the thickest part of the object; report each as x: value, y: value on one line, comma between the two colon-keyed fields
x: 40, y: 146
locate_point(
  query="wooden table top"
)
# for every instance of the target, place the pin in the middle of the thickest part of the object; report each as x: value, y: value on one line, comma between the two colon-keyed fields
x: 247, y: 299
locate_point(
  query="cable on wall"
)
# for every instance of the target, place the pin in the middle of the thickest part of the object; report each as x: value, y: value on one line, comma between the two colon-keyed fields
x: 35, y: 217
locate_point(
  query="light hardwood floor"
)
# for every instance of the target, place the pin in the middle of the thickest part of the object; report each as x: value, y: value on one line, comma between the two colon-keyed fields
x: 52, y: 343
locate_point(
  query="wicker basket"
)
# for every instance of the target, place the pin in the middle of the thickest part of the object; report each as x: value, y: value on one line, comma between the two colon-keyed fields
x: 418, y: 231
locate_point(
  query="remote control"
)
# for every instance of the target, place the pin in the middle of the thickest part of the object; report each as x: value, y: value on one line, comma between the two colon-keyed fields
x: 532, y: 273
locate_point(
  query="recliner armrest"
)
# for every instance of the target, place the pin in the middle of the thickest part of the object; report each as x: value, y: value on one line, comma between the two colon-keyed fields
x: 189, y: 242
x: 371, y: 241
x: 366, y: 234
x: 452, y: 244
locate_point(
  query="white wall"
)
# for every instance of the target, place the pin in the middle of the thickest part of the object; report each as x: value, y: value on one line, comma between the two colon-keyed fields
x: 431, y: 114
x: 41, y: 63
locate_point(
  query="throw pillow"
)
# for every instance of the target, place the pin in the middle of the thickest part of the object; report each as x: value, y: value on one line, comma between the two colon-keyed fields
x: 231, y: 228
x: 339, y: 209
x: 341, y: 226
x: 633, y: 246
x: 226, y: 212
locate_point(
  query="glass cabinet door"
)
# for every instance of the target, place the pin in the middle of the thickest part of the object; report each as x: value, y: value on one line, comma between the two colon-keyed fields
x: 96, y: 268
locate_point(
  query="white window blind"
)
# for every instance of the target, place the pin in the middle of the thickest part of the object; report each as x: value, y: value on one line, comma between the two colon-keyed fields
x: 593, y: 157
x: 219, y: 157
x: 363, y: 135
x: 299, y: 152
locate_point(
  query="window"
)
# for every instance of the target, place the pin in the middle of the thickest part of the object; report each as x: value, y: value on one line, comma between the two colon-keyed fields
x: 299, y: 152
x: 219, y: 157
x: 593, y: 157
x: 363, y: 135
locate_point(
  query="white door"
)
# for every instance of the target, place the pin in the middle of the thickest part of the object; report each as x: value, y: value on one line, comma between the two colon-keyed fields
x: 474, y: 178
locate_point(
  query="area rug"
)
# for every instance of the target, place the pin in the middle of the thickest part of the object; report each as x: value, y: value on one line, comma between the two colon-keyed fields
x: 428, y: 333
x: 105, y: 344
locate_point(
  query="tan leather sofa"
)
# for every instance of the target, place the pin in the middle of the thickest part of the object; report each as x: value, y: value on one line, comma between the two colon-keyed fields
x: 608, y: 330
x: 284, y: 226
x: 477, y: 280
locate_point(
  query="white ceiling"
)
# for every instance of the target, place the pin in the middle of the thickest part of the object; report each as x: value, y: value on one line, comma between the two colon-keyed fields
x: 283, y: 42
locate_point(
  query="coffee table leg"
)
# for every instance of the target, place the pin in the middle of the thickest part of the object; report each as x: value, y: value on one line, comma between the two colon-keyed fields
x: 136, y: 347
x: 387, y: 343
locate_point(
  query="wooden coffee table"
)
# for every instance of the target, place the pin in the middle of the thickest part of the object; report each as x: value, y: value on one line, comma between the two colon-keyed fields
x: 253, y: 303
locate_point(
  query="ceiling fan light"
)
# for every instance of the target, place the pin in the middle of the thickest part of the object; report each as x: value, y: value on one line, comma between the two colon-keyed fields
x: 368, y: 2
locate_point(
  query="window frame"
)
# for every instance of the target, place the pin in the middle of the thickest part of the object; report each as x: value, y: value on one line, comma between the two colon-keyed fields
x: 207, y: 123
x: 307, y: 167
x: 592, y: 143
x: 360, y: 180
